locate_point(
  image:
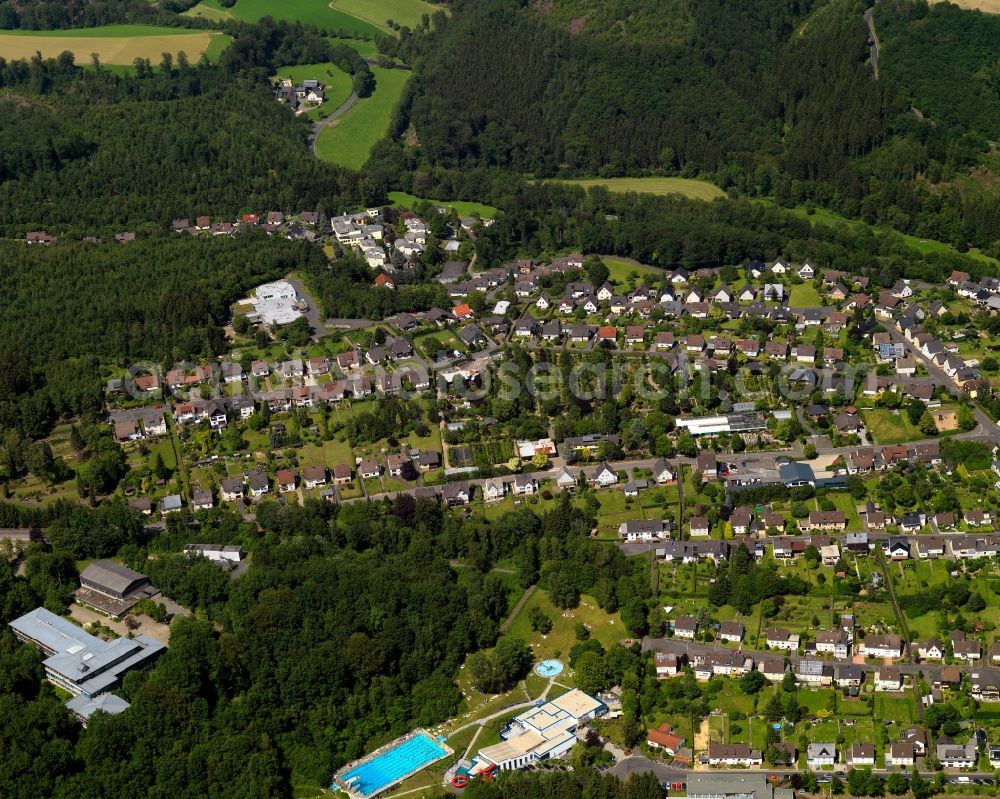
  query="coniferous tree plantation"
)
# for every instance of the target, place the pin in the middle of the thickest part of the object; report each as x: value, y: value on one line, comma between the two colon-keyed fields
x: 773, y: 99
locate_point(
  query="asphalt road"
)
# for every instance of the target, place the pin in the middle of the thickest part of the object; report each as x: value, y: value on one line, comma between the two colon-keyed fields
x: 336, y: 114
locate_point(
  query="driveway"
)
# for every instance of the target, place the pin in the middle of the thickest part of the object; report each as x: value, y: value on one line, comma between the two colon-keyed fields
x: 316, y: 321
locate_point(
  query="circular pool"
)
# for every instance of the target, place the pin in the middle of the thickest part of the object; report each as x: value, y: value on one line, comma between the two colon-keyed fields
x: 548, y: 668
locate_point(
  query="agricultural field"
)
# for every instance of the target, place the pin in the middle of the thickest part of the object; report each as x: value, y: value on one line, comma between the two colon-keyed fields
x: 690, y: 188
x: 378, y: 12
x: 349, y: 140
x: 986, y: 6
x: 313, y: 12
x: 113, y: 44
x: 400, y: 199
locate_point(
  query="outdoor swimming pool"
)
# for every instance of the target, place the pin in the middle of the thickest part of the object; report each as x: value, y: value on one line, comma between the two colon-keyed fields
x: 549, y: 668
x: 398, y: 761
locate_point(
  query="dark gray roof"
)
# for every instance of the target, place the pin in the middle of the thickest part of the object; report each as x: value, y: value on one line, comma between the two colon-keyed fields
x: 119, y: 579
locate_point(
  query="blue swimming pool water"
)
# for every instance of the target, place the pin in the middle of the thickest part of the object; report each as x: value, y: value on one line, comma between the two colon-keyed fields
x: 388, y: 767
x: 548, y: 668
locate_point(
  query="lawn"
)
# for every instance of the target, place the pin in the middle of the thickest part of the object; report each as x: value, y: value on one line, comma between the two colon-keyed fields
x: 313, y: 12
x: 891, y: 427
x: 621, y: 268
x: 113, y: 44
x: 378, y: 12
x: 400, y: 199
x: 603, y: 627
x: 349, y: 141
x: 693, y: 189
x: 338, y: 82
x: 803, y: 295
x: 364, y: 48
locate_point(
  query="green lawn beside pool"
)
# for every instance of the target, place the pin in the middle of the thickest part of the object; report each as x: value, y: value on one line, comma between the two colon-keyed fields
x: 349, y: 141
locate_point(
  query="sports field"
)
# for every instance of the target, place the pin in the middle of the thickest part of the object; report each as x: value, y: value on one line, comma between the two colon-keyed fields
x: 695, y: 189
x: 313, y: 12
x: 114, y: 44
x: 349, y: 141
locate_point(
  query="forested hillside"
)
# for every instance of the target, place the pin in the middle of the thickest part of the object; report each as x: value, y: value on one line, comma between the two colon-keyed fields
x: 55, y: 14
x: 348, y: 630
x: 95, y: 151
x: 774, y: 99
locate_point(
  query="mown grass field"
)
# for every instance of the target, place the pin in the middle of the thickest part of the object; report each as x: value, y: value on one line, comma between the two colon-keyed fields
x: 349, y: 141
x: 400, y: 199
x: 314, y: 12
x: 693, y: 189
x: 113, y: 44
x: 621, y: 268
x: 403, y: 12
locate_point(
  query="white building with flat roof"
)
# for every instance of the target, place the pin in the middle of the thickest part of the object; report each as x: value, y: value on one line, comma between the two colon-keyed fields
x: 276, y: 303
x: 540, y: 733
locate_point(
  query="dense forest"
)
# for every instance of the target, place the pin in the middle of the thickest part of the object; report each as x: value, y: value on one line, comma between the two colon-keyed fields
x: 672, y: 231
x: 75, y: 306
x: 55, y: 14
x: 774, y: 99
x: 347, y: 631
x: 92, y: 151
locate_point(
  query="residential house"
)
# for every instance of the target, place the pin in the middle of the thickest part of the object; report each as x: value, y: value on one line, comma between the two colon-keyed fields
x: 782, y: 639
x: 861, y: 755
x: 731, y: 631
x: 685, y: 627
x: 819, y: 755
x: 901, y: 754
x: 882, y: 646
x: 888, y: 678
x: 720, y: 754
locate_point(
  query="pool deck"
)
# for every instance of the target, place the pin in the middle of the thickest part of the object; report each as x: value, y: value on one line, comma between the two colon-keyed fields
x: 338, y: 781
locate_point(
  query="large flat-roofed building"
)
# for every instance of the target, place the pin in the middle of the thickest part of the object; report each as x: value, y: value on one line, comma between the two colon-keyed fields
x: 79, y: 662
x: 540, y: 733
x: 113, y: 588
x: 275, y: 303
x: 731, y: 786
x: 216, y: 552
